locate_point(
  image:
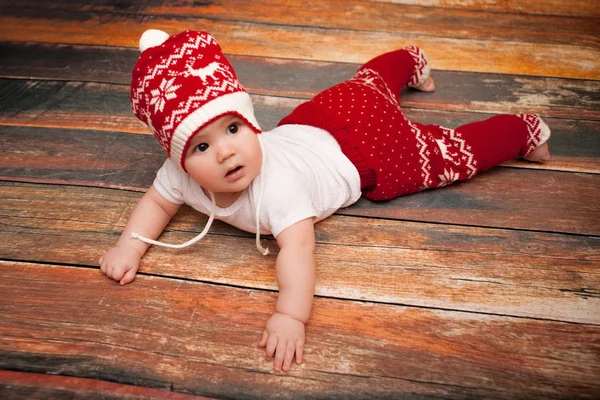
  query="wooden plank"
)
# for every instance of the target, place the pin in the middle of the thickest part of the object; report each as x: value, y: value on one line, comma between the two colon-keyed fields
x: 108, y: 159
x: 501, y: 197
x: 353, y: 15
x: 187, y: 335
x: 22, y: 385
x: 29, y: 60
x: 320, y: 44
x: 502, y: 272
x: 170, y: 333
x: 456, y: 91
x: 68, y: 105
x: 91, y: 106
x: 412, y: 19
x: 583, y: 8
x: 112, y: 159
x: 518, y: 199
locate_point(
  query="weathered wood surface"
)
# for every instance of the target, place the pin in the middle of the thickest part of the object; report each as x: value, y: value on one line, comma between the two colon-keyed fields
x: 445, y: 267
x: 120, y: 160
x: 106, y: 107
x: 300, y: 79
x: 99, y: 107
x: 31, y: 386
x: 356, y: 15
x: 488, y: 289
x: 494, y: 202
x: 583, y: 8
x: 522, y: 44
x: 168, y: 333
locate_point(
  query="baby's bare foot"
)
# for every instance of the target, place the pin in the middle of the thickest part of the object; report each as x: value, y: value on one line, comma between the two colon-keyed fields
x: 540, y: 154
x: 427, y: 86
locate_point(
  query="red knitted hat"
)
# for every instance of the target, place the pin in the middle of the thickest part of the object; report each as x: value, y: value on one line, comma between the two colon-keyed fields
x: 182, y: 83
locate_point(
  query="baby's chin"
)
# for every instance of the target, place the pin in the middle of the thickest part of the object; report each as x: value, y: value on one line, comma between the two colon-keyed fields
x: 230, y: 186
x: 228, y: 191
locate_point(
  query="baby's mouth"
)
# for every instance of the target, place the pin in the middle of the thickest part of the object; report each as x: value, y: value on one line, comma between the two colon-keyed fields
x: 233, y: 170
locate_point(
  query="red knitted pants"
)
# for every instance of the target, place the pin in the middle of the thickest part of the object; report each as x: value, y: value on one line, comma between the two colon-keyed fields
x: 395, y: 156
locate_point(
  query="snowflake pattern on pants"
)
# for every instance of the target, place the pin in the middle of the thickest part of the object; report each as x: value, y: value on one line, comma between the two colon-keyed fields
x: 456, y: 152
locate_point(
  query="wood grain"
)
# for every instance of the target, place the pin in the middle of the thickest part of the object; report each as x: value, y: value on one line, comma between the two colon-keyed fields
x: 487, y: 289
x: 501, y: 272
x: 575, y: 143
x: 502, y: 197
x: 319, y: 44
x: 108, y: 159
x: 95, y: 332
x: 351, y: 15
x: 510, y: 199
x: 23, y: 385
x: 456, y: 91
x: 583, y: 8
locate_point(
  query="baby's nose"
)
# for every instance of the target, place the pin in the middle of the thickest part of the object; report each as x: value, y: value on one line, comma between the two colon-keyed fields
x: 225, y: 152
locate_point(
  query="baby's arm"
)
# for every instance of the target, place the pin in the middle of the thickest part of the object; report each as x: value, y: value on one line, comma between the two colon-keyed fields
x: 149, y: 218
x: 295, y: 268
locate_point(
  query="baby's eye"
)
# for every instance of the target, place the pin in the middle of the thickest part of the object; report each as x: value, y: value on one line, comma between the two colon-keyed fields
x: 201, y: 148
x: 233, y: 128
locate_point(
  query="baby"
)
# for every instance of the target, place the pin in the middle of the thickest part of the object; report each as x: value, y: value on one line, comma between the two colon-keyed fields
x: 350, y: 140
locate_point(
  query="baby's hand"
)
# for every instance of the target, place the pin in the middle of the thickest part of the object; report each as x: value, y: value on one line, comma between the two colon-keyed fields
x: 120, y: 264
x: 284, y: 337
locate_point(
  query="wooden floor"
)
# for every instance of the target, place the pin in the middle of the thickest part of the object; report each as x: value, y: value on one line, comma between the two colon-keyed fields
x: 486, y: 289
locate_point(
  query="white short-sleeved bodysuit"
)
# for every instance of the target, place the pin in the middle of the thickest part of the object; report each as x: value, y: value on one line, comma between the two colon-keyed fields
x: 305, y: 174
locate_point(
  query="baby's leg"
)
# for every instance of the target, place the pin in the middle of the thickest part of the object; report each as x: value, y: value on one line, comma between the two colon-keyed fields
x: 400, y: 68
x: 479, y: 146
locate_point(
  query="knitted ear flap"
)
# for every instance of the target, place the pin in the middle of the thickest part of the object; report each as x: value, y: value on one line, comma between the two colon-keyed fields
x: 264, y: 251
x: 180, y: 84
x: 135, y: 235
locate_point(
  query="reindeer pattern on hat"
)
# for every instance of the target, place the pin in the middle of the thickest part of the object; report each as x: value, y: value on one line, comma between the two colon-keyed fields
x: 207, y: 71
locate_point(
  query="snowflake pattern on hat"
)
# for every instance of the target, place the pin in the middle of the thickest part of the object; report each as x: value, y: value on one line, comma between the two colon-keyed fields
x: 182, y: 84
x: 164, y: 92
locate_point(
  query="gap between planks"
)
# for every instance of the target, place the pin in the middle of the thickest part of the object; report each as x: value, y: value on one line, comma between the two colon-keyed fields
x: 356, y: 343
x: 495, y: 271
x: 318, y: 44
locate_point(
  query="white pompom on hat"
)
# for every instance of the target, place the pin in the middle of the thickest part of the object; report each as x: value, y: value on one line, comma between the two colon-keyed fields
x: 180, y: 84
x: 152, y: 38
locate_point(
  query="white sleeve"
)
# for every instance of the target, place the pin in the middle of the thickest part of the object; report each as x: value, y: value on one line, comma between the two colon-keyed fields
x: 168, y: 182
x: 286, y: 201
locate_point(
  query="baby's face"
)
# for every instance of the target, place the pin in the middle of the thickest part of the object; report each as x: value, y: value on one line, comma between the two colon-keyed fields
x: 224, y: 156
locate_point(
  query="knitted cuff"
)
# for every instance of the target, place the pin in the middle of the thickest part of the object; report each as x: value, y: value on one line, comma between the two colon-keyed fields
x: 538, y: 132
x: 422, y: 69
